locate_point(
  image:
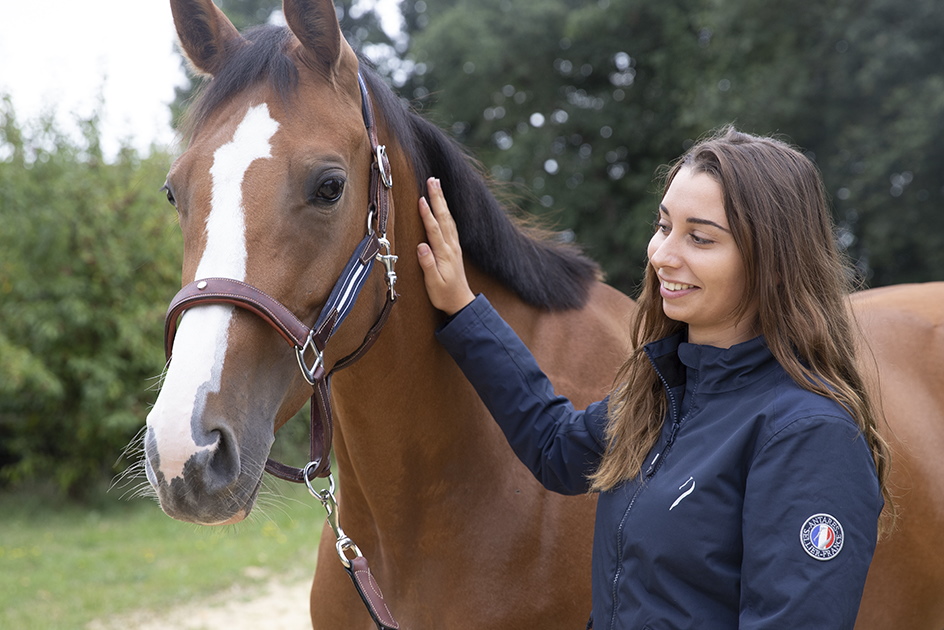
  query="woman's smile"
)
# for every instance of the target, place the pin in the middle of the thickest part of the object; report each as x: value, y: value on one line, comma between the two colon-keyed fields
x: 671, y: 290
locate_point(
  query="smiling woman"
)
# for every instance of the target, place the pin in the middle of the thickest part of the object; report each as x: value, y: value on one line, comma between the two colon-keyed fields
x: 743, y: 376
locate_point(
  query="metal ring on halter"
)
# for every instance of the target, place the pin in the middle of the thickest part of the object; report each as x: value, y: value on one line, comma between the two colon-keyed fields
x: 385, y: 176
x: 321, y: 495
x: 309, y: 372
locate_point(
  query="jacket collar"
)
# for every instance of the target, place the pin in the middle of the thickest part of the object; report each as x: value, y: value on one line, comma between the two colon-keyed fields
x: 717, y: 369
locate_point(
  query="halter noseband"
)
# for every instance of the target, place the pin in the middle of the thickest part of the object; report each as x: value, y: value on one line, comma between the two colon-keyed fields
x: 309, y: 343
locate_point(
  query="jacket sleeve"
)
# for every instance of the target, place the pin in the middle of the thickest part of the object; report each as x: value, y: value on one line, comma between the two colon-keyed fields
x: 560, y: 445
x: 810, y: 523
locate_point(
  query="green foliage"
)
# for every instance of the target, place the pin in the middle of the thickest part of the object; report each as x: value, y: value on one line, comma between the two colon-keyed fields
x: 88, y: 257
x: 579, y: 103
x: 857, y: 84
x: 574, y: 103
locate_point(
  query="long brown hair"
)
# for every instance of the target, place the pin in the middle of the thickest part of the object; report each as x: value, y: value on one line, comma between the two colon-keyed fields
x: 776, y: 206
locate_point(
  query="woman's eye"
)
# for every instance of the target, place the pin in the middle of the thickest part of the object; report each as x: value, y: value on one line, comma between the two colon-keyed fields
x: 661, y: 227
x: 330, y: 190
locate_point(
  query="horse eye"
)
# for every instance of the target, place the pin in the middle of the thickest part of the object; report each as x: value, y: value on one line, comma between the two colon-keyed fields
x: 329, y: 191
x: 170, y: 195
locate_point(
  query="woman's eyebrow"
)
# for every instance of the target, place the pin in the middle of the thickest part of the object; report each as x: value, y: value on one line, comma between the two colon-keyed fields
x: 696, y: 220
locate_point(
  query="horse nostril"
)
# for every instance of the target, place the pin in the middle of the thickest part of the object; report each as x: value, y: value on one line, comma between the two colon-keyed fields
x: 223, y: 464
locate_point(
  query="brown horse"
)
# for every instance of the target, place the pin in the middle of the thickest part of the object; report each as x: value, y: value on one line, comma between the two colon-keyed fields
x: 273, y: 191
x: 903, y: 328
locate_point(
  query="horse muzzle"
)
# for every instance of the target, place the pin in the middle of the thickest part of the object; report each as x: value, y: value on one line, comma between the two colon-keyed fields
x: 213, y: 482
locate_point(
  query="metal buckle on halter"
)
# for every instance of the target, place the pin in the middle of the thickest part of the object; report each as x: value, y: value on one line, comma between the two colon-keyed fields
x: 310, y: 373
x: 388, y: 260
x: 330, y: 504
x: 382, y: 162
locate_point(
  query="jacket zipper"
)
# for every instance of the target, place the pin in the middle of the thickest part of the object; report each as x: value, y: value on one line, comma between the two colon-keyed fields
x: 654, y: 466
x: 676, y: 423
x: 657, y: 460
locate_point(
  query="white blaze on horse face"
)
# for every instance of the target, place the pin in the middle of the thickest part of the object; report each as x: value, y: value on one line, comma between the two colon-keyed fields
x: 201, y: 341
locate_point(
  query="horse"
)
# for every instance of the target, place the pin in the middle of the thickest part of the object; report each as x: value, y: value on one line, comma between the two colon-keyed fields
x: 274, y: 191
x: 902, y: 354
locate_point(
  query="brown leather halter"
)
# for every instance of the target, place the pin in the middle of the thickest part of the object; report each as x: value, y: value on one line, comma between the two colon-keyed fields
x: 309, y: 345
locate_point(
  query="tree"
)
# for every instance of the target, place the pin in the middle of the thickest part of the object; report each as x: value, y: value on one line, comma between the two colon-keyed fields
x: 575, y: 103
x: 858, y: 86
x: 578, y: 104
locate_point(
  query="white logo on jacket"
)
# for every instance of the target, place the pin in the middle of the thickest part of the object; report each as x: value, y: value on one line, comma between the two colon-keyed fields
x: 689, y: 487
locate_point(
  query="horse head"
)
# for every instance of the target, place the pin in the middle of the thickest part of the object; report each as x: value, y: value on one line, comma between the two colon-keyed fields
x: 272, y: 191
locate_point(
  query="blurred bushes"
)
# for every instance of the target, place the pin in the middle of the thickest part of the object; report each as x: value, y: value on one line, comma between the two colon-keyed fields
x: 89, y: 257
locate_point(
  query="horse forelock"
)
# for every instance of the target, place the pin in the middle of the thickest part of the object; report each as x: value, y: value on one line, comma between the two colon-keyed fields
x: 266, y: 58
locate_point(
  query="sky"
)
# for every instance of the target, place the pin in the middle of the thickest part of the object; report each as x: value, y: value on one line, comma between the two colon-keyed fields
x: 71, y: 58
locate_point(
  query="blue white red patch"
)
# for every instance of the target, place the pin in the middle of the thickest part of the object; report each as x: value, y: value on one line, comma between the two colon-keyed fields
x: 821, y: 536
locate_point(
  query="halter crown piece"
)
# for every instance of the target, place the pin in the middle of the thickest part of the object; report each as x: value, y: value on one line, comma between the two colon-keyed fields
x: 309, y: 345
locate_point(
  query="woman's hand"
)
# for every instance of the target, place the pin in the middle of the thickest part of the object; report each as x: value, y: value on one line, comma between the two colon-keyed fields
x: 441, y: 259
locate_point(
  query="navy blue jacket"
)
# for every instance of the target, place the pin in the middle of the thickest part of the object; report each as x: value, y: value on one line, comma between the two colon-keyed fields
x: 757, y: 508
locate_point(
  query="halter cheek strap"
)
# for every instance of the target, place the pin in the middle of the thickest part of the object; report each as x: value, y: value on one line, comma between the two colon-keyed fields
x: 309, y: 345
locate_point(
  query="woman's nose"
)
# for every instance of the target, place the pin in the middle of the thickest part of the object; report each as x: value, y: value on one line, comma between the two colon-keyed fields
x: 662, y: 251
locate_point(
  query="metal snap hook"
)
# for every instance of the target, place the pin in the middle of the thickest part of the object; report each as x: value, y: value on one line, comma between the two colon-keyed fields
x: 330, y: 503
x: 389, y: 261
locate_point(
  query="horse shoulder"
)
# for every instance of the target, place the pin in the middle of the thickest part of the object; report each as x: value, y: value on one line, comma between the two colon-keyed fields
x: 902, y: 356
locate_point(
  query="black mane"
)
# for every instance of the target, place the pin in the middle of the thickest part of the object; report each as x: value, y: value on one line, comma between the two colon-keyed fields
x: 539, y: 269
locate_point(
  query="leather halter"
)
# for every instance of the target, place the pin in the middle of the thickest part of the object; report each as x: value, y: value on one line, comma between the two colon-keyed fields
x: 309, y: 343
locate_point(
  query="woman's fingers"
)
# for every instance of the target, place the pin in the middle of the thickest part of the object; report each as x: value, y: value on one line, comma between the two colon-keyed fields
x: 441, y: 258
x: 440, y: 210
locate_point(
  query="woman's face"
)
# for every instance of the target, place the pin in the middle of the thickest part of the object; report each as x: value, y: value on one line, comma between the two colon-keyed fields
x: 700, y: 269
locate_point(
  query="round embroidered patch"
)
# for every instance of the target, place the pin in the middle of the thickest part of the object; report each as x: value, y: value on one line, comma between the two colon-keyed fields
x: 821, y: 536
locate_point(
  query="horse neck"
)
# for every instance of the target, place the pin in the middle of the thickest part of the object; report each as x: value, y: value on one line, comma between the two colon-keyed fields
x: 405, y: 416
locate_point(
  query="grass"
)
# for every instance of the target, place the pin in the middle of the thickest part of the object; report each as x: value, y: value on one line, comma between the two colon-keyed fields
x: 63, y: 565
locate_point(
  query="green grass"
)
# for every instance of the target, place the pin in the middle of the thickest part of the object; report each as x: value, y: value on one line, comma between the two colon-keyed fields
x: 63, y: 565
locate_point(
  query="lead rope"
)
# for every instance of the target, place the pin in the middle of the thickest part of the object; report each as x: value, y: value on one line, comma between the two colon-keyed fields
x: 355, y: 566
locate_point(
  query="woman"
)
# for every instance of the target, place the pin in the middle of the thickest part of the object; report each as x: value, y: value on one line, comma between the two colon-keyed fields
x: 739, y: 472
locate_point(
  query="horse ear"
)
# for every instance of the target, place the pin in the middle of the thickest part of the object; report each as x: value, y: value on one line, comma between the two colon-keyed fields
x: 315, y: 24
x: 206, y: 35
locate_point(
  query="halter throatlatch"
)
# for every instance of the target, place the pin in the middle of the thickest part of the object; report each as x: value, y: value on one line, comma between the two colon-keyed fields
x: 309, y: 345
